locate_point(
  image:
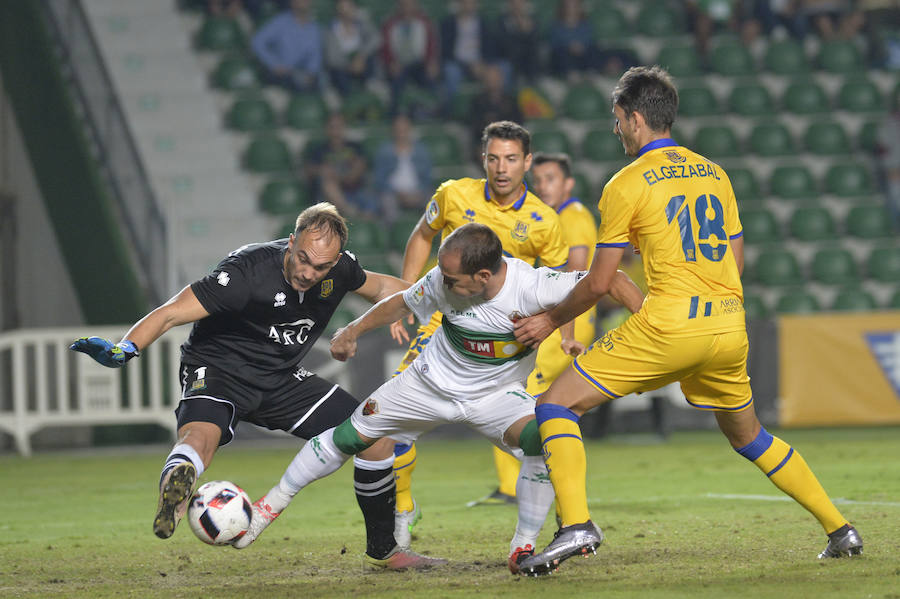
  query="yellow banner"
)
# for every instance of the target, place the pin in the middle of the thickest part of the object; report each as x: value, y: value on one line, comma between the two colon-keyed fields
x: 839, y: 369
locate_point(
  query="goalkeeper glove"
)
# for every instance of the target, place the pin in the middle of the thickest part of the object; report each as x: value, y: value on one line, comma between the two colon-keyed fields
x: 105, y: 352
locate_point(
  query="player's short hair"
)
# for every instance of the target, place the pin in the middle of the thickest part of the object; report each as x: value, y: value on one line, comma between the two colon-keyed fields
x: 322, y: 217
x: 650, y: 91
x: 560, y: 158
x: 478, y: 247
x: 507, y: 130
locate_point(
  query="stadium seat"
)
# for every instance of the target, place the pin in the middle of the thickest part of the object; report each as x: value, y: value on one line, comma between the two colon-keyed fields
x: 583, y: 190
x: 444, y: 148
x: 792, y: 182
x: 884, y: 264
x: 755, y: 307
x: 840, y: 56
x: 859, y: 95
x: 805, y: 97
x: 234, y: 72
x: 853, y: 299
x: 777, y: 268
x: 744, y: 183
x: 220, y: 34
x: 812, y: 223
x: 771, y: 139
x: 283, y: 197
x: 826, y: 139
x: 834, y: 266
x: 786, y: 57
x: 602, y: 145
x: 363, y: 107
x: 550, y: 140
x: 848, y: 180
x: 305, y: 111
x: 697, y: 100
x: 656, y: 19
x: 894, y: 302
x: 680, y: 60
x: 797, y: 301
x: 367, y: 237
x: 267, y: 153
x: 716, y: 142
x: 751, y: 99
x: 419, y: 103
x: 759, y: 226
x: 252, y: 113
x: 731, y: 59
x: 868, y: 222
x: 584, y: 103
x: 609, y: 23
x: 401, y: 230
x: 867, y: 138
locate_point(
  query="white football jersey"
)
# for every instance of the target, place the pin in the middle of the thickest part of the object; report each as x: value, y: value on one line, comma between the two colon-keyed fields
x: 488, y: 361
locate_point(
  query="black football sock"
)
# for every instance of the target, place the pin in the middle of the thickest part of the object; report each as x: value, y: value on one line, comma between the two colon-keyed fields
x: 375, y: 494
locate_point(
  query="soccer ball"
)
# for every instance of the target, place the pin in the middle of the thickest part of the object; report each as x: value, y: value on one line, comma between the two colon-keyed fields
x: 219, y: 512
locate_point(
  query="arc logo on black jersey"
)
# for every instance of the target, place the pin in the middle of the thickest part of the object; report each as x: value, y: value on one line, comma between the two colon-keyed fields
x: 291, y: 333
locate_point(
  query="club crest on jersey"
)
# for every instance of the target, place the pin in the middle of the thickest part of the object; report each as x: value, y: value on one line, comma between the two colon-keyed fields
x: 516, y: 316
x: 675, y: 156
x: 432, y: 211
x: 418, y: 294
x: 327, y: 288
x: 370, y: 408
x: 520, y: 232
x: 280, y: 299
x: 198, y: 385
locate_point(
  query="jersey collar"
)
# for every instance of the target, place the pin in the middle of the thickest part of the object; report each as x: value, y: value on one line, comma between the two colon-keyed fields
x: 565, y: 204
x: 665, y: 142
x: 517, y: 204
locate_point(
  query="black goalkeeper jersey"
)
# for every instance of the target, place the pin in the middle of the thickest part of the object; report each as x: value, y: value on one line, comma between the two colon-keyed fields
x: 259, y: 326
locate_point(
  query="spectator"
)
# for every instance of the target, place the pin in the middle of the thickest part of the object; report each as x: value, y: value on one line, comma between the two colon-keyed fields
x: 402, y: 171
x: 517, y: 38
x: 350, y: 44
x: 290, y: 48
x: 571, y: 40
x: 336, y: 170
x: 409, y: 49
x: 465, y: 46
x: 493, y: 104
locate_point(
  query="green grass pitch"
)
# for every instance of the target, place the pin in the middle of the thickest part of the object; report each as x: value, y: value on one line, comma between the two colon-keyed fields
x: 684, y: 518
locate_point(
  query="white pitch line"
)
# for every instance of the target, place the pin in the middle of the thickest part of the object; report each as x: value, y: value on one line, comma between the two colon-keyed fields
x: 837, y: 500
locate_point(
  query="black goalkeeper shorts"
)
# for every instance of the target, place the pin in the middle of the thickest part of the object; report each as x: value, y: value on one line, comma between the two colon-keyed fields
x: 304, y: 405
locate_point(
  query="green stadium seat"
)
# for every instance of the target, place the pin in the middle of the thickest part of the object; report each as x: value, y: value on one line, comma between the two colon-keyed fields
x: 680, y: 60
x: 444, y: 148
x: 550, y: 140
x: 759, y: 226
x: 283, y: 197
x: 792, y: 182
x: 363, y: 107
x: 755, y: 307
x: 751, y: 99
x: 267, y: 153
x: 419, y: 102
x: 786, y: 57
x: 805, y: 97
x: 834, y: 266
x: 602, y: 145
x: 744, y: 183
x: 252, y: 113
x: 716, y: 142
x: 812, y: 223
x: 220, y: 34
x: 848, y: 180
x: 894, y: 302
x: 584, y: 103
x: 235, y: 72
x: 867, y: 138
x: 305, y: 111
x: 771, y: 139
x: 868, y: 222
x: 797, y: 301
x: 697, y: 100
x: 367, y: 237
x: 777, y: 268
x: 826, y: 139
x: 840, y: 56
x: 582, y: 189
x: 853, y: 299
x: 731, y: 59
x: 609, y: 23
x: 401, y: 229
x: 884, y: 264
x: 373, y: 137
x: 656, y: 19
x: 859, y: 95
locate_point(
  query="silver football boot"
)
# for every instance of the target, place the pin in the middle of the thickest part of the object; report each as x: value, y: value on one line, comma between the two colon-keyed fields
x: 578, y: 539
x: 843, y: 541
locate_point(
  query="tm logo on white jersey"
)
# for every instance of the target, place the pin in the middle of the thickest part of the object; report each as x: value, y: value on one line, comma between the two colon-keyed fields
x: 291, y: 333
x: 886, y: 349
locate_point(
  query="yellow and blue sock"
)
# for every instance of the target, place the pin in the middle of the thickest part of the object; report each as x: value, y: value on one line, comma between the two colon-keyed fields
x: 788, y: 471
x: 404, y: 464
x: 507, y: 471
x: 563, y: 451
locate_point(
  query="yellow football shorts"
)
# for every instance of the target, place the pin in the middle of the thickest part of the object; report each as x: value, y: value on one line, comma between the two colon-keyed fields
x: 634, y: 357
x: 551, y: 361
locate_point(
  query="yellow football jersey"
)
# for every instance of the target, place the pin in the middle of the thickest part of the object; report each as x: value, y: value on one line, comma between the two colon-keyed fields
x: 528, y: 228
x: 578, y: 226
x: 679, y: 209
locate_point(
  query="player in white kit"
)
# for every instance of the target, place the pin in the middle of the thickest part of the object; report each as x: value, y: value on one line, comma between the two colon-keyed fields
x: 473, y: 371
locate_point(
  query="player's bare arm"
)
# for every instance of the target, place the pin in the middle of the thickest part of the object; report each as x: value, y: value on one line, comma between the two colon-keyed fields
x: 578, y: 257
x: 737, y: 246
x: 418, y: 247
x: 181, y: 309
x: 388, y: 310
x: 626, y: 292
x: 379, y: 286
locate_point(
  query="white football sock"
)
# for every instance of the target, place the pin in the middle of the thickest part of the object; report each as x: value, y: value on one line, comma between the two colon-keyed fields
x: 180, y: 454
x: 535, y: 494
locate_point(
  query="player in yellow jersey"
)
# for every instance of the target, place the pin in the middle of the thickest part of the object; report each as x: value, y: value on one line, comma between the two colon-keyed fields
x: 680, y: 210
x: 528, y: 229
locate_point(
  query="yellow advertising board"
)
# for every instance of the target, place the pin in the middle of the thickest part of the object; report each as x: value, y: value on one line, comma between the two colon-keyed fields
x: 839, y: 369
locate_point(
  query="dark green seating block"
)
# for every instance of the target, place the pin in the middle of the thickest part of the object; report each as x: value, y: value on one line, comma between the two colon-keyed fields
x: 267, y: 154
x: 777, y: 268
x: 894, y: 302
x: 755, y: 307
x: 744, y: 183
x: 697, y: 100
x: 680, y: 60
x: 305, y: 111
x: 868, y: 222
x: 363, y: 107
x: 797, y: 301
x: 220, y: 34
x: 884, y: 264
x: 550, y: 140
x: 759, y: 226
x: 826, y: 139
x: 609, y: 23
x: 582, y: 190
x: 786, y: 57
x: 859, y: 95
x: 805, y: 97
x: 444, y: 148
x: 284, y: 197
x: 751, y: 99
x: 250, y: 114
x: 401, y: 229
x: 848, y: 180
x: 834, y: 266
x: 854, y: 299
x: 771, y: 139
x: 657, y: 19
x: 812, y: 223
x: 602, y: 145
x: 732, y: 60
x: 867, y: 138
x: 840, y: 56
x: 716, y: 142
x: 584, y: 103
x: 792, y: 182
x: 235, y: 72
x: 367, y: 237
